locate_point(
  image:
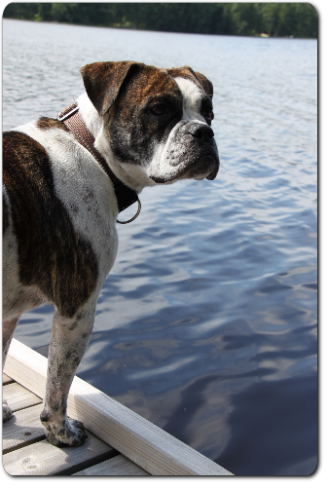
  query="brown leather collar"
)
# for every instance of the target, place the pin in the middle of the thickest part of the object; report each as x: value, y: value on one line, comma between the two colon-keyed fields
x: 72, y: 118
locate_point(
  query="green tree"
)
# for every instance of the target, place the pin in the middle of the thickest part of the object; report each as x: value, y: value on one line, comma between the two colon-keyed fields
x: 247, y: 18
x: 24, y: 11
x: 276, y: 19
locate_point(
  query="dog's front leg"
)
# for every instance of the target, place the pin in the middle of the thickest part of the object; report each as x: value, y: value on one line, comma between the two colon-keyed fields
x: 69, y: 339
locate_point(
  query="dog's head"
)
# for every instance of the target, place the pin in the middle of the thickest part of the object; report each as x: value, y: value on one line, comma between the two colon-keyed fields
x: 156, y: 120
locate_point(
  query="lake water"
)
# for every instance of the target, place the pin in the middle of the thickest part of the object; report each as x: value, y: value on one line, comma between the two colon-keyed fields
x: 207, y: 324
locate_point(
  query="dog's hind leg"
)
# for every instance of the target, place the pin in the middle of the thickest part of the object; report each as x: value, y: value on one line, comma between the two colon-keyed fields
x: 8, y: 329
x: 69, y: 339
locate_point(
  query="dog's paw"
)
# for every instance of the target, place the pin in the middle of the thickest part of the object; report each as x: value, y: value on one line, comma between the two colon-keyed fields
x: 71, y: 433
x: 6, y: 411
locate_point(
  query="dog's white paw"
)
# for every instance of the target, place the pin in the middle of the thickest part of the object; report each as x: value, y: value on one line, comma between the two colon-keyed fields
x: 6, y: 411
x: 69, y: 433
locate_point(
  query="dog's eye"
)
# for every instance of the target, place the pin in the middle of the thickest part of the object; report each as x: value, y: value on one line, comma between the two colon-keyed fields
x: 206, y: 110
x: 208, y: 116
x: 158, y: 109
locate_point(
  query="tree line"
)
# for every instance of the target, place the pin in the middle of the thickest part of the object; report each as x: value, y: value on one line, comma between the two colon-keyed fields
x: 244, y: 19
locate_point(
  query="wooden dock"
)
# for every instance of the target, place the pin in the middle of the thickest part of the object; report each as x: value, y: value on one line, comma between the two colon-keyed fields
x: 120, y: 442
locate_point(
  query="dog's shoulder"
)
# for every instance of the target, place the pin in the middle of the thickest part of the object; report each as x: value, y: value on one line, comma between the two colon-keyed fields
x: 28, y: 167
x: 47, y: 123
x: 46, y: 131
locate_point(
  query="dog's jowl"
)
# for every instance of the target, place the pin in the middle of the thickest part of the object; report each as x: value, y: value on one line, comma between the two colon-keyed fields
x: 66, y: 180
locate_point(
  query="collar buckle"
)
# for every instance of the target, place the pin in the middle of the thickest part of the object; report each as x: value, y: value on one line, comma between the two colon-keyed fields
x: 67, y: 112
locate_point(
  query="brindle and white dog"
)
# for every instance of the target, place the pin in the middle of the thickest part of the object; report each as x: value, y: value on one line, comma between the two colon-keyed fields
x: 152, y: 126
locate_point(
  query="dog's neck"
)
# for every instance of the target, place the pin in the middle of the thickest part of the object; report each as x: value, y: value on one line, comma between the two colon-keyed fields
x: 132, y: 175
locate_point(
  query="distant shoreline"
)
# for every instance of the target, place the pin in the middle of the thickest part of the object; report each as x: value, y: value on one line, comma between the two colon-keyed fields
x: 135, y: 29
x: 274, y: 20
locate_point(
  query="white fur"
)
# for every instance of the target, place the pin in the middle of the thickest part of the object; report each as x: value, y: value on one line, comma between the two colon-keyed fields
x: 192, y: 96
x: 88, y: 195
x: 137, y: 176
x: 77, y: 175
x: 132, y: 175
x: 160, y: 165
x: 89, y: 198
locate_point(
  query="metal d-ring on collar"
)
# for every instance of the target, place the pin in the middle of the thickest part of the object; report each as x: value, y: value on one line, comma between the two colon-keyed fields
x: 134, y: 217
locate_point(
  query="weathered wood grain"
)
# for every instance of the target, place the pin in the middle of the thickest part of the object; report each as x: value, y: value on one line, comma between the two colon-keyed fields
x: 117, y: 466
x: 22, y: 429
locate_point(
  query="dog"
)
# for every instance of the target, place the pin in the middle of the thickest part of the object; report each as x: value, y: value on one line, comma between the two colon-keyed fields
x: 148, y: 127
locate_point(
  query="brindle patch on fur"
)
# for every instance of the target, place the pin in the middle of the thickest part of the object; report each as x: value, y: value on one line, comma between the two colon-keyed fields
x: 103, y: 82
x: 45, y: 123
x: 132, y: 129
x: 52, y: 256
x: 5, y: 215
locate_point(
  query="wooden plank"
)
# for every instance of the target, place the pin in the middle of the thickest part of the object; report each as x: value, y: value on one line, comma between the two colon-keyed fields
x: 42, y: 458
x: 26, y: 367
x: 22, y: 429
x: 117, y: 466
x: 6, y: 379
x: 19, y: 397
x: 145, y: 444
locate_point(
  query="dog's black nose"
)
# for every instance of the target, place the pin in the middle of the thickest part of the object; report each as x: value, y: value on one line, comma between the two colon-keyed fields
x: 200, y: 131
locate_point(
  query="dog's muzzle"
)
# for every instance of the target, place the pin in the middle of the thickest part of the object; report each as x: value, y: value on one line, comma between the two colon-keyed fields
x: 190, y: 152
x: 202, y: 132
x: 205, y: 147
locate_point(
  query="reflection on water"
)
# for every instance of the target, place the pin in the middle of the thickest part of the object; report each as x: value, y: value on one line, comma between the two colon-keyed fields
x: 207, y: 323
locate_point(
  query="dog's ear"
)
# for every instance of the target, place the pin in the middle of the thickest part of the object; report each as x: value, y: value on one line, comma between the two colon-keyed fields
x: 190, y: 74
x: 103, y: 81
x: 206, y: 84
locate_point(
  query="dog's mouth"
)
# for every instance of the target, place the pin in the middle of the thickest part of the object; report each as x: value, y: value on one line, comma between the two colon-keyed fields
x: 209, y: 162
x: 206, y: 166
